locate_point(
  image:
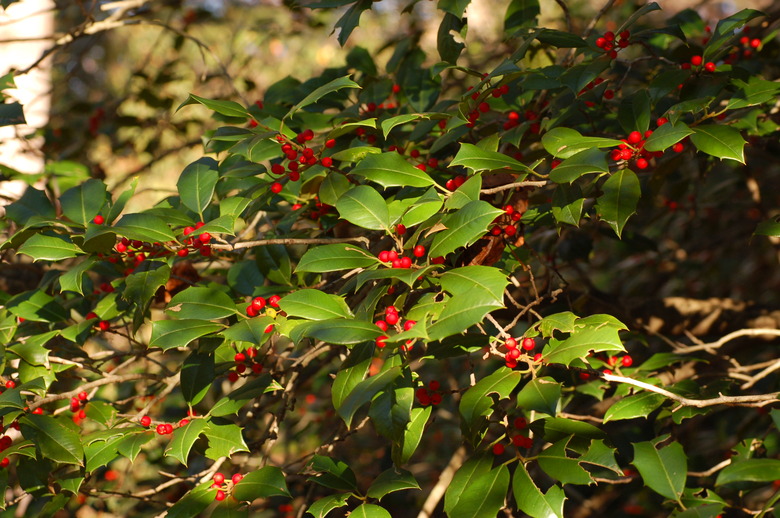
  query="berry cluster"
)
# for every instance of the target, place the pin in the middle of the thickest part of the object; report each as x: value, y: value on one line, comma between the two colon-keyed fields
x: 513, y: 119
x: 392, y: 258
x: 696, y: 61
x: 224, y: 486
x: 245, y: 360
x: 610, y: 45
x: 258, y: 303
x: 78, y: 405
x: 198, y: 242
x: 393, y: 319
x: 430, y: 395
x: 513, y: 351
x: 518, y: 439
x: 483, y: 106
x: 298, y: 156
x: 131, y: 253
x: 505, y: 223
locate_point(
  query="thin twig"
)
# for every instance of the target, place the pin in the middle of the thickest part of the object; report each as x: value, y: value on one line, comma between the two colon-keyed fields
x: 515, y: 185
x: 291, y: 241
x: 711, y: 346
x: 437, y: 492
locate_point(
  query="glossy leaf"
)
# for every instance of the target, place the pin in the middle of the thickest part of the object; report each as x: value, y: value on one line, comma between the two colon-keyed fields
x: 391, y: 170
x: 167, y: 334
x: 201, y: 303
x: 390, y: 481
x: 663, y: 470
x: 567, y: 142
x: 620, y: 199
x: 265, y: 482
x: 333, y: 473
x: 666, y: 136
x: 638, y: 405
x: 405, y: 448
x: 587, y: 161
x: 463, y: 227
x: 194, y: 502
x: 322, y: 91
x: 719, y: 141
x: 143, y: 227
x: 532, y: 501
x: 478, y: 159
x: 43, y: 247
x: 330, y: 258
x: 555, y: 461
x: 365, y: 392
x: 351, y: 372
x: 323, y: 506
x: 197, y: 375
x: 370, y: 511
x: 750, y: 470
x: 82, y: 203
x: 224, y: 438
x: 581, y: 343
x: 343, y: 331
x: 364, y: 207
x: 184, y: 438
x: 477, y: 490
x: 56, y: 441
x: 481, y: 284
x: 196, y: 184
x: 314, y: 304
x: 227, y: 108
x: 541, y: 395
x: 476, y: 401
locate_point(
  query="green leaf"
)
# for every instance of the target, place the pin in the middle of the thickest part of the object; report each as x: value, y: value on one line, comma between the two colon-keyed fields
x: 100, y: 453
x: 333, y: 473
x: 532, y: 501
x: 638, y: 405
x: 83, y: 202
x: 32, y: 350
x: 365, y: 392
x: 343, y: 331
x: 225, y: 439
x: 719, y: 141
x: 314, y: 304
x: 750, y: 470
x: 768, y: 228
x: 49, y: 248
x: 226, y: 108
x: 647, y: 8
x: 458, y: 315
x: 521, y: 13
x: 194, y: 502
x: 620, y: 199
x: 56, y: 441
x: 567, y: 204
x: 562, y: 468
x: 469, y: 191
x: 331, y: 258
x: 449, y: 49
x: 322, y: 91
x: 351, y: 372
x: 350, y: 19
x: 323, y: 506
x: 476, y: 491
x: 561, y: 39
x: 102, y: 412
x: 581, y: 343
x: 476, y: 402
x: 463, y: 227
x: 478, y: 159
x: 391, y: 170
x: 388, y: 124
x: 72, y: 280
x: 201, y: 303
x: 599, y: 454
x: 667, y: 135
x: 197, y: 375
x: 567, y: 142
x: 364, y: 207
x: 130, y: 446
x: 239, y: 397
x: 403, y: 450
x: 265, y: 482
x: 119, y: 205
x: 663, y: 470
x: 11, y: 114
x: 196, y: 184
x: 36, y: 306
x: 32, y: 203
x: 482, y: 284
x: 541, y: 395
x: 167, y: 334
x: 754, y: 91
x: 249, y: 330
x: 591, y: 160
x: 143, y: 283
x: 456, y: 7
x: 391, y: 480
x: 332, y: 187
x: 143, y: 227
x: 634, y: 112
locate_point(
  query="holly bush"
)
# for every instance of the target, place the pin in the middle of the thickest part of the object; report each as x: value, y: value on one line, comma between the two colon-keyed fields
x: 406, y: 290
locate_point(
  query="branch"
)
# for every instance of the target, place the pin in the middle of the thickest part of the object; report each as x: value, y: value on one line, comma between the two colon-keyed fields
x: 437, y: 492
x: 706, y: 473
x: 757, y: 400
x: 494, y: 190
x: 290, y: 241
x: 86, y: 386
x: 710, y: 347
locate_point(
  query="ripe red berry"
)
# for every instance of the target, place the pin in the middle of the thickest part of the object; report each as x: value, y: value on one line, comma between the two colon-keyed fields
x: 257, y: 368
x: 634, y: 137
x: 251, y: 311
x: 626, y: 361
x: 83, y: 396
x: 330, y: 143
x: 146, y: 421
x: 384, y: 256
x: 251, y: 352
x: 396, y: 88
x: 709, y: 66
x: 219, y: 496
x: 10, y: 384
x: 678, y: 147
x: 258, y: 303
x: 241, y: 368
x: 276, y: 187
x: 400, y: 229
x: 232, y: 376
x: 104, y: 325
x: 391, y: 318
x: 5, y: 462
x: 239, y: 357
x: 529, y: 343
x: 419, y: 251
x: 121, y: 248
x: 498, y: 449
x: 327, y: 161
x: 755, y: 43
x: 408, y: 325
x: 161, y: 429
x: 218, y: 478
x: 184, y: 422
x: 273, y: 300
x: 205, y: 251
x: 600, y: 42
x: 381, y: 324
x: 661, y: 121
x: 696, y: 61
x: 99, y: 220
x: 520, y: 423
x: 380, y: 341
x: 238, y: 477
x: 642, y: 163
x: 406, y: 262
x: 182, y: 252
x: 513, y: 354
x: 510, y: 230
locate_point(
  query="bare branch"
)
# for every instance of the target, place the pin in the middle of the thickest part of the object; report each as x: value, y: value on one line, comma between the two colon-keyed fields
x: 291, y: 241
x: 710, y: 347
x: 515, y: 185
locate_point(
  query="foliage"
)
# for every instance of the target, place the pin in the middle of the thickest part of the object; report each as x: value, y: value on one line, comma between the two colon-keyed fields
x: 376, y: 281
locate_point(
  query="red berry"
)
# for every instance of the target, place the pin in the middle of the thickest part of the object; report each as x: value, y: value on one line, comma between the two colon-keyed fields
x: 755, y: 43
x: 10, y: 384
x: 232, y: 376
x: 182, y: 252
x: 406, y: 262
x: 121, y: 248
x: 484, y: 107
x: 384, y: 256
x: 218, y: 478
x: 83, y: 396
x: 435, y: 398
x: 104, y: 325
x: 709, y: 67
x: 696, y: 61
x: 251, y: 311
x: 678, y: 147
x: 513, y: 354
x: 5, y: 462
x: 161, y: 429
x: 600, y: 42
x: 529, y: 343
x: 330, y: 143
x: 239, y: 357
x: 510, y: 230
x: 258, y: 303
x: 241, y: 368
x: 380, y: 341
x: 396, y: 88
x: 204, y: 237
x: 498, y: 449
x: 510, y: 343
x: 520, y: 423
x: 634, y: 137
x: 381, y: 324
x: 419, y: 251
x: 219, y: 496
x: 146, y: 421
x: 251, y: 352
x: 257, y: 368
x: 400, y: 229
x: 273, y: 300
x: 238, y: 477
x: 642, y: 163
x: 276, y: 187
x: 391, y: 318
x: 184, y: 422
x: 205, y: 251
x: 327, y: 161
x: 99, y: 220
x: 408, y: 325
x: 661, y: 121
x: 626, y: 361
